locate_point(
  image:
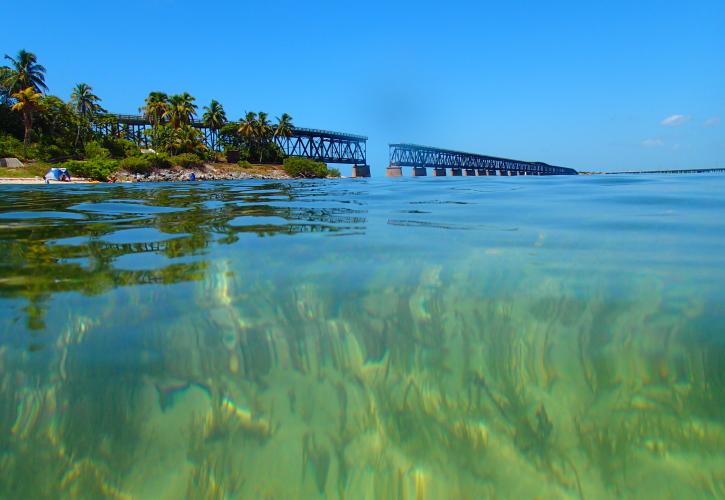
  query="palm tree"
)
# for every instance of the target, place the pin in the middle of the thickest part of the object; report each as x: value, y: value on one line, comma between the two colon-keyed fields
x: 27, y: 101
x: 248, y: 126
x: 85, y: 104
x: 156, y: 106
x: 214, y: 117
x: 24, y: 72
x: 284, y: 126
x: 186, y: 139
x: 264, y: 132
x: 182, y: 110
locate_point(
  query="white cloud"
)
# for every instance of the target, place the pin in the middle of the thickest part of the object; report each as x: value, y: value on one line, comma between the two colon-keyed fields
x: 712, y: 122
x: 675, y: 120
x: 653, y: 143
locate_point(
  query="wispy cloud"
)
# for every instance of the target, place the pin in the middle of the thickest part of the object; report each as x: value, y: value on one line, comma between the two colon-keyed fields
x: 675, y: 120
x: 712, y: 122
x: 653, y: 143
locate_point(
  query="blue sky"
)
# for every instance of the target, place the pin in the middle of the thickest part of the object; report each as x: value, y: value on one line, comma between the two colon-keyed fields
x: 590, y: 85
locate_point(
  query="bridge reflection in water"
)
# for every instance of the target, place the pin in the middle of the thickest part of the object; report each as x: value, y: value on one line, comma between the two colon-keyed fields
x: 422, y: 158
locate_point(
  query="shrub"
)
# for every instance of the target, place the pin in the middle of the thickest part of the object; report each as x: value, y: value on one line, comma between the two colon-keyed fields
x: 52, y: 152
x: 160, y: 160
x: 244, y: 164
x: 10, y: 147
x: 187, y: 160
x: 120, y: 148
x: 211, y: 156
x: 333, y: 172
x: 94, y: 150
x: 136, y: 165
x: 97, y: 169
x: 302, y: 167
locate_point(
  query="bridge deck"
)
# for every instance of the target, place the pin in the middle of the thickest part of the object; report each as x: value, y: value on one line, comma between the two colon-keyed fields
x: 422, y: 157
x: 141, y: 120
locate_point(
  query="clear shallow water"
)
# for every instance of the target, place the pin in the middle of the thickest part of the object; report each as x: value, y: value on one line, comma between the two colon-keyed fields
x: 416, y: 338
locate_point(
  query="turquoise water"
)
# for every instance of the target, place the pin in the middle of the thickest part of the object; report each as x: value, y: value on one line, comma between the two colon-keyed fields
x: 517, y: 337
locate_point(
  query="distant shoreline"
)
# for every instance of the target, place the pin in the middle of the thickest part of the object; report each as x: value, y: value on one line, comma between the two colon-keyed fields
x: 208, y: 172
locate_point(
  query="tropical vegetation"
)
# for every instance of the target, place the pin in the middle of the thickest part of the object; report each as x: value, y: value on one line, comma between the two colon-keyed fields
x: 85, y: 104
x: 308, y: 169
x: 35, y: 125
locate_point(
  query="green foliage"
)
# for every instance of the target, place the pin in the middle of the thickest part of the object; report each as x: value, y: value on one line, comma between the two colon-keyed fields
x: 23, y: 71
x: 94, y: 150
x: 97, y: 169
x: 184, y: 139
x: 269, y: 153
x: 144, y: 164
x: 120, y: 148
x: 10, y: 147
x: 53, y: 129
x: 55, y: 125
x: 211, y: 156
x: 229, y: 137
x: 160, y: 160
x: 50, y: 152
x: 305, y: 168
x: 333, y: 172
x: 10, y: 123
x: 187, y: 160
x: 136, y: 165
x: 244, y: 164
x: 256, y: 133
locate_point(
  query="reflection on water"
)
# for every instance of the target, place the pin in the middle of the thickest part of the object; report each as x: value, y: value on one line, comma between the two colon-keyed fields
x: 457, y: 338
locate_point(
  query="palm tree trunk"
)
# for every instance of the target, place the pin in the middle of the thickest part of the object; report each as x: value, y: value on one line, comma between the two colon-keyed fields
x: 28, y: 122
x: 78, y: 136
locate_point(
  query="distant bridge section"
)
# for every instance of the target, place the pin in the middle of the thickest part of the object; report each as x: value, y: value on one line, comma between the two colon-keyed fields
x: 421, y: 158
x: 318, y: 145
x: 681, y: 171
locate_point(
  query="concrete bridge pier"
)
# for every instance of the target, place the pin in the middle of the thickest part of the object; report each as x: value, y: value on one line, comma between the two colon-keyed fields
x: 419, y: 172
x: 393, y: 171
x: 439, y: 172
x: 469, y: 172
x: 361, y: 171
x: 456, y: 172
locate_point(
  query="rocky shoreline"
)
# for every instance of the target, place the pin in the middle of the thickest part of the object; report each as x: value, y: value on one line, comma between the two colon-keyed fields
x: 209, y: 172
x: 180, y: 175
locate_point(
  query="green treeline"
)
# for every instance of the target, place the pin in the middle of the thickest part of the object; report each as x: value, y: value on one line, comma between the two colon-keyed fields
x: 38, y: 126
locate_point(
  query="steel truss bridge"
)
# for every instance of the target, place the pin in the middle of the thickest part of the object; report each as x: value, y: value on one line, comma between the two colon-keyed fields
x: 318, y: 145
x: 459, y: 163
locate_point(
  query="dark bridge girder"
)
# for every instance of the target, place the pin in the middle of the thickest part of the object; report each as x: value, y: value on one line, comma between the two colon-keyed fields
x: 325, y: 146
x: 319, y: 145
x: 423, y: 157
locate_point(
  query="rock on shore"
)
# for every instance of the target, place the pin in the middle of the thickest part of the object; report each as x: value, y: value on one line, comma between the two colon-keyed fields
x: 207, y: 173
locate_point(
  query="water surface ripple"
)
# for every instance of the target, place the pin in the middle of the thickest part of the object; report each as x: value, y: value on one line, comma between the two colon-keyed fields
x: 556, y: 337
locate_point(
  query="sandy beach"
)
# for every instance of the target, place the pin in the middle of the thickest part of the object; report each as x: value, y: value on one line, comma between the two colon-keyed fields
x: 39, y: 180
